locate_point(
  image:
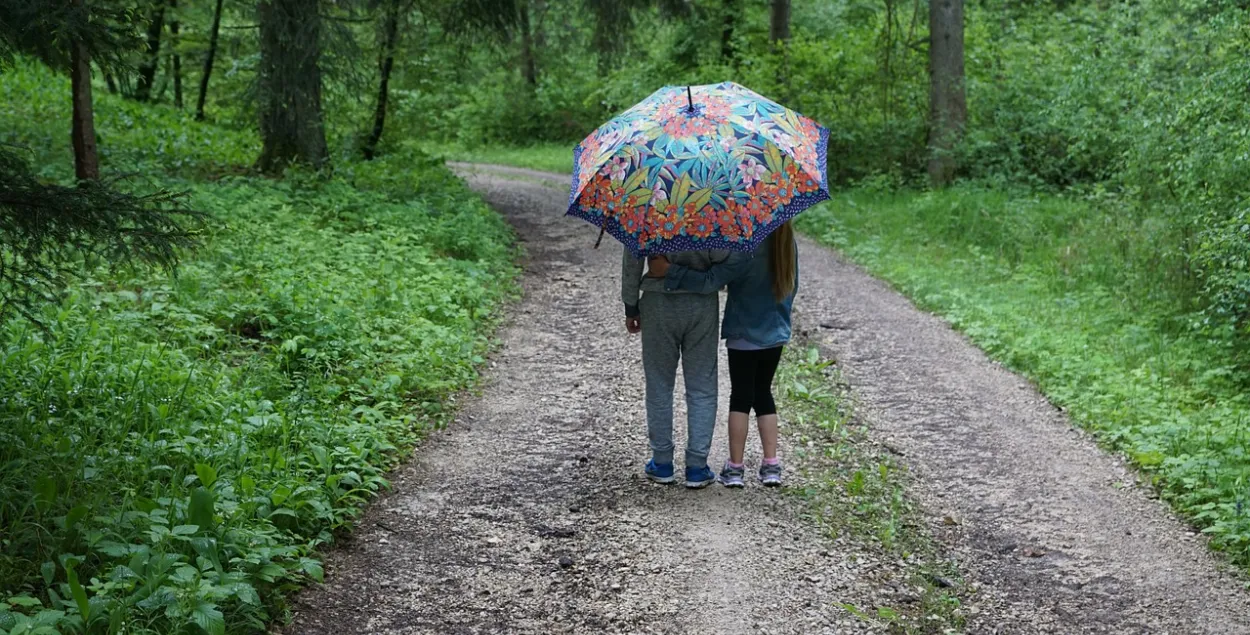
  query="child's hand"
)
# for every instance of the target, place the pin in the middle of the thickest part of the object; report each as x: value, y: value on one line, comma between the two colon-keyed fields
x: 657, y: 266
x: 633, y: 325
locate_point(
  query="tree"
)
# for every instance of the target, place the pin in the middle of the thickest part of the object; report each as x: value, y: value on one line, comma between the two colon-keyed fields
x: 386, y: 62
x: 173, y: 45
x: 82, y: 128
x: 779, y: 23
x: 208, y: 62
x: 729, y: 22
x: 48, y: 231
x: 147, y: 69
x: 948, y: 108
x: 529, y: 63
x: 291, y: 124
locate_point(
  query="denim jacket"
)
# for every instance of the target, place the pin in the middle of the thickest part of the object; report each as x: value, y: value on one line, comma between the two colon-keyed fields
x: 751, y: 312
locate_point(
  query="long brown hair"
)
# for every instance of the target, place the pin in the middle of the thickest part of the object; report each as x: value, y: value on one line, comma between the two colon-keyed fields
x: 783, y: 261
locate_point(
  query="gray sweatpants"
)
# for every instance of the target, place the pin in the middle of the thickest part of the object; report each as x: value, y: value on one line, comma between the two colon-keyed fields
x: 681, y: 327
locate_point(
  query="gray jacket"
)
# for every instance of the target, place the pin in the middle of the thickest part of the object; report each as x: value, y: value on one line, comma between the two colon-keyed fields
x: 634, y: 280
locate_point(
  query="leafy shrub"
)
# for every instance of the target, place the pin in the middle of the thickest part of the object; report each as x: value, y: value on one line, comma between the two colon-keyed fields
x: 1068, y: 294
x: 174, y: 452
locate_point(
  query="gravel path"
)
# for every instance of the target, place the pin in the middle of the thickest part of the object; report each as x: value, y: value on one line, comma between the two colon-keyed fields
x: 529, y: 514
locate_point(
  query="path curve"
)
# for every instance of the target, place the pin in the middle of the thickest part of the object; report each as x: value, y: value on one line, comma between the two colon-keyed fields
x: 1050, y: 530
x: 546, y: 465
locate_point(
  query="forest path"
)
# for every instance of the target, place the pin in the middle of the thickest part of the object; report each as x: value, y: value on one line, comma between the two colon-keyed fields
x: 529, y: 515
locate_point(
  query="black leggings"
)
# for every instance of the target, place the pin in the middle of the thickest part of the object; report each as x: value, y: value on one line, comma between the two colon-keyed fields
x: 751, y: 378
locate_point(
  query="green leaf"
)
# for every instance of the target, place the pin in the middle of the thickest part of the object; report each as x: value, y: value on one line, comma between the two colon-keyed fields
x: 45, y: 493
x: 186, y: 530
x: 24, y: 601
x: 207, y: 474
x: 681, y: 190
x: 312, y: 568
x: 75, y: 516
x: 200, y: 510
x: 80, y: 595
x: 639, y: 178
x: 701, y: 198
x: 210, y: 619
x: 48, y: 569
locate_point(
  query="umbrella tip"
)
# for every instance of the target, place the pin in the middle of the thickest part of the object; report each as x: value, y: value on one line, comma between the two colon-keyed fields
x: 689, y: 99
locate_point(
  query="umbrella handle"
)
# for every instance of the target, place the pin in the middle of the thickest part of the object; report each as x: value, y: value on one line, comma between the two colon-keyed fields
x: 603, y: 228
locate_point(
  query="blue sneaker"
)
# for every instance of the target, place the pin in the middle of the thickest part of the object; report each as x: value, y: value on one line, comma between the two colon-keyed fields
x: 732, y: 476
x: 770, y: 475
x: 660, y: 472
x: 699, y: 477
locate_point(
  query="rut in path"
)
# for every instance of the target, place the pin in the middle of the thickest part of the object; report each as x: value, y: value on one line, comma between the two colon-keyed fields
x: 529, y: 514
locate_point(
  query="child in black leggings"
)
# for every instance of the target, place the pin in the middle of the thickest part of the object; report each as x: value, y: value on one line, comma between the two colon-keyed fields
x: 756, y: 329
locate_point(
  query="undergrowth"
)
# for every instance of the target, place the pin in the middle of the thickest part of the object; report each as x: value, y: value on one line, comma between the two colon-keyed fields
x: 548, y: 157
x: 857, y: 488
x: 174, y: 452
x: 1075, y: 295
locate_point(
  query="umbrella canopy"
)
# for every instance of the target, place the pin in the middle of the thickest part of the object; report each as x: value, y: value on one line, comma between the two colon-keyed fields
x: 699, y: 167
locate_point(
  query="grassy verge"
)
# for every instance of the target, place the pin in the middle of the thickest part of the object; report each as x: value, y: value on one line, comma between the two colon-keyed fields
x: 1076, y: 297
x: 548, y: 157
x: 856, y: 488
x: 174, y: 451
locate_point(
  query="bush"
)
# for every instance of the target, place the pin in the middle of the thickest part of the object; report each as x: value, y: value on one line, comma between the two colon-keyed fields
x: 175, y: 452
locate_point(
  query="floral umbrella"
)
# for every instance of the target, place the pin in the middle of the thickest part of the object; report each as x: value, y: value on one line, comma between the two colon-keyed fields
x: 699, y: 167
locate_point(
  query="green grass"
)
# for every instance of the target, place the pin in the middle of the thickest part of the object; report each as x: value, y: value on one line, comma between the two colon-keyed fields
x: 175, y: 451
x: 1076, y: 296
x: 548, y: 157
x: 856, y: 488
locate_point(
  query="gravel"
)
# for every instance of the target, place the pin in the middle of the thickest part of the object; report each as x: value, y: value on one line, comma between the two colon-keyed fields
x: 530, y: 513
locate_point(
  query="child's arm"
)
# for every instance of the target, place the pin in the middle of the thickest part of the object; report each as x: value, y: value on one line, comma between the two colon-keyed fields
x: 680, y: 277
x: 631, y: 282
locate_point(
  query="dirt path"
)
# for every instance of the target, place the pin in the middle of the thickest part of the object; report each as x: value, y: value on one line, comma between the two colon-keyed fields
x: 546, y: 465
x: 529, y: 514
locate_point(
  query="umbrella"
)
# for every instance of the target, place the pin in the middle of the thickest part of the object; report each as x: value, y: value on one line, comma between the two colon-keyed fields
x: 699, y: 167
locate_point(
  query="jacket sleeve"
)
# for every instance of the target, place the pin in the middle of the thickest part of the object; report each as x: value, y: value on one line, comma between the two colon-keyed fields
x: 631, y: 282
x: 686, y: 279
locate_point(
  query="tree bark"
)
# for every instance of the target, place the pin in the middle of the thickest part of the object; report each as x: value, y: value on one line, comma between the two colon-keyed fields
x: 208, y: 62
x: 109, y: 82
x: 174, y: 27
x: 391, y: 39
x: 529, y: 66
x: 779, y: 25
x: 948, y: 107
x: 86, y: 156
x: 291, y: 123
x: 729, y: 24
x: 147, y: 70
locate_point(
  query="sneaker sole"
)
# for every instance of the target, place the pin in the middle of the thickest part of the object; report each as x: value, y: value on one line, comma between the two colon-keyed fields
x: 771, y: 483
x: 731, y: 485
x: 699, y: 484
x: 662, y: 480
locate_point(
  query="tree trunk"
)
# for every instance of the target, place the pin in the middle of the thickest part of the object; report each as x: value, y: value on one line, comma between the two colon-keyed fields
x: 948, y: 107
x: 147, y: 70
x: 208, y: 62
x: 727, y: 30
x: 529, y: 66
x: 779, y: 27
x: 391, y: 37
x: 173, y: 45
x: 86, y: 157
x: 291, y: 124
x: 109, y: 82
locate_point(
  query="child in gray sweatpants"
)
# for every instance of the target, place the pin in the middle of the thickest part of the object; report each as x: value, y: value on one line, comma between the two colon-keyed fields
x: 676, y: 326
